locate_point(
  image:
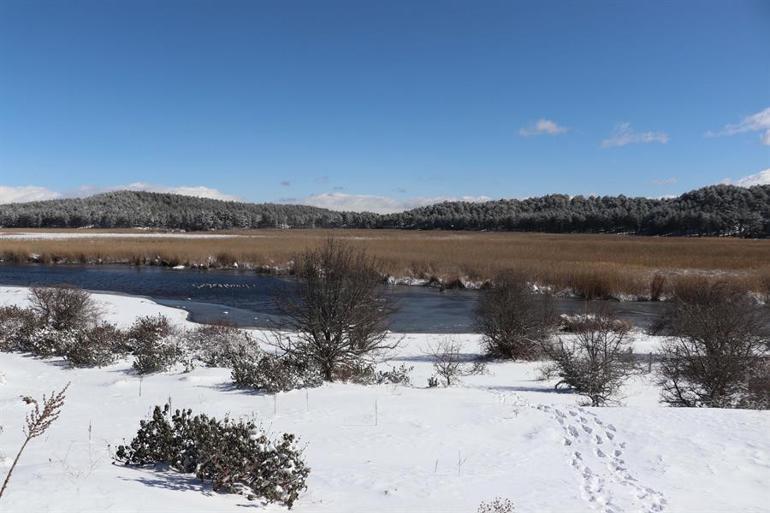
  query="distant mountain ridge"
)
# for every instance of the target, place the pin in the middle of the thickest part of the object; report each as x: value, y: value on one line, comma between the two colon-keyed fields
x: 713, y: 210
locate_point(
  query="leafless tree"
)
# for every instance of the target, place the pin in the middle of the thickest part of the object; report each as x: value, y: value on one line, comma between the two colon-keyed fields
x: 717, y: 348
x: 38, y: 421
x: 339, y: 312
x: 450, y: 364
x: 514, y: 320
x: 595, y: 360
x: 64, y: 307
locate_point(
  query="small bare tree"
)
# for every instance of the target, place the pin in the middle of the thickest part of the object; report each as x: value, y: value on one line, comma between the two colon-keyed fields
x: 514, y: 320
x: 339, y: 312
x: 450, y: 365
x: 596, y: 359
x: 38, y: 421
x: 64, y: 307
x: 718, y: 346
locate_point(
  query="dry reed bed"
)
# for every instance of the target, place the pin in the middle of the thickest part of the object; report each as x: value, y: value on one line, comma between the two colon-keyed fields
x: 592, y: 265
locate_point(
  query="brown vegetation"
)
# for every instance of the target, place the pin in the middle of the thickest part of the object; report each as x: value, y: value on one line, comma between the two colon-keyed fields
x: 592, y: 265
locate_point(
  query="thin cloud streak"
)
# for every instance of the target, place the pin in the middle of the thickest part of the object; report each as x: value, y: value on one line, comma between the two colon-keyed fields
x: 624, y: 134
x: 758, y: 122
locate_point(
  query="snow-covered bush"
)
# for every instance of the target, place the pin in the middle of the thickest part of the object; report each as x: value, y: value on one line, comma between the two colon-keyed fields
x: 595, y: 360
x: 497, y: 505
x: 16, y: 328
x: 235, y: 456
x: 394, y: 376
x: 94, y: 347
x: 514, y: 320
x: 48, y: 341
x: 274, y: 373
x: 717, y: 348
x: 156, y: 344
x: 220, y: 345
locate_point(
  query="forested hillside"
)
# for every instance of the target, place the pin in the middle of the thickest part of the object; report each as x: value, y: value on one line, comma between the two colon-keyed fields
x: 714, y: 210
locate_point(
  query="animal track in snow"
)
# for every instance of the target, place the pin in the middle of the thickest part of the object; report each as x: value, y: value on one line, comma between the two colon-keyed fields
x: 582, y: 428
x: 601, y: 462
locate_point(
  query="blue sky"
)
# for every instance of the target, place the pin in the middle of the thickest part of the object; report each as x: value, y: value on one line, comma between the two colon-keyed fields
x: 382, y: 105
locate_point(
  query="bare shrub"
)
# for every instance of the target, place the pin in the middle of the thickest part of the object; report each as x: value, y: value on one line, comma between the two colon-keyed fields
x: 449, y: 364
x: 37, y: 423
x: 514, y: 320
x: 719, y: 339
x: 64, y: 307
x: 339, y: 312
x: 595, y: 360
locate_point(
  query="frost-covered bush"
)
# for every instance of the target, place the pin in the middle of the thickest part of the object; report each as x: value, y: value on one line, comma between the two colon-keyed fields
x: 94, y: 347
x: 400, y: 375
x: 148, y: 329
x: 235, y: 456
x: 48, y: 341
x: 87, y: 345
x: 595, y: 360
x: 16, y: 328
x: 497, y: 505
x: 366, y: 374
x: 156, y: 344
x: 220, y: 345
x: 274, y: 373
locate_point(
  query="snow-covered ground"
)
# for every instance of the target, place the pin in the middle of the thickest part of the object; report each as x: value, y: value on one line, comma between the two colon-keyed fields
x: 107, y: 235
x: 424, y: 450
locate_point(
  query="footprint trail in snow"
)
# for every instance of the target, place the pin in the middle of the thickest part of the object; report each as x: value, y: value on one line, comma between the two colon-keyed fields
x: 595, y: 451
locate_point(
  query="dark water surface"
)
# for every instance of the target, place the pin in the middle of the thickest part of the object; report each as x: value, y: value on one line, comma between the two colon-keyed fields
x: 246, y: 299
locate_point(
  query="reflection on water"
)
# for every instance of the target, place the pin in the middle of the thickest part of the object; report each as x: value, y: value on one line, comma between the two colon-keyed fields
x: 246, y: 299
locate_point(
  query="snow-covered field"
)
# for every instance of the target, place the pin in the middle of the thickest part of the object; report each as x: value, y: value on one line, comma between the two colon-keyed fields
x: 390, y: 448
x: 107, y: 235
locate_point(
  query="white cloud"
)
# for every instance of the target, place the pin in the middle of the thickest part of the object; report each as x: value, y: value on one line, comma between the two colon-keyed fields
x: 9, y: 194
x: 761, y: 178
x: 665, y: 181
x: 759, y: 122
x: 623, y: 134
x: 379, y: 204
x: 542, y: 127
